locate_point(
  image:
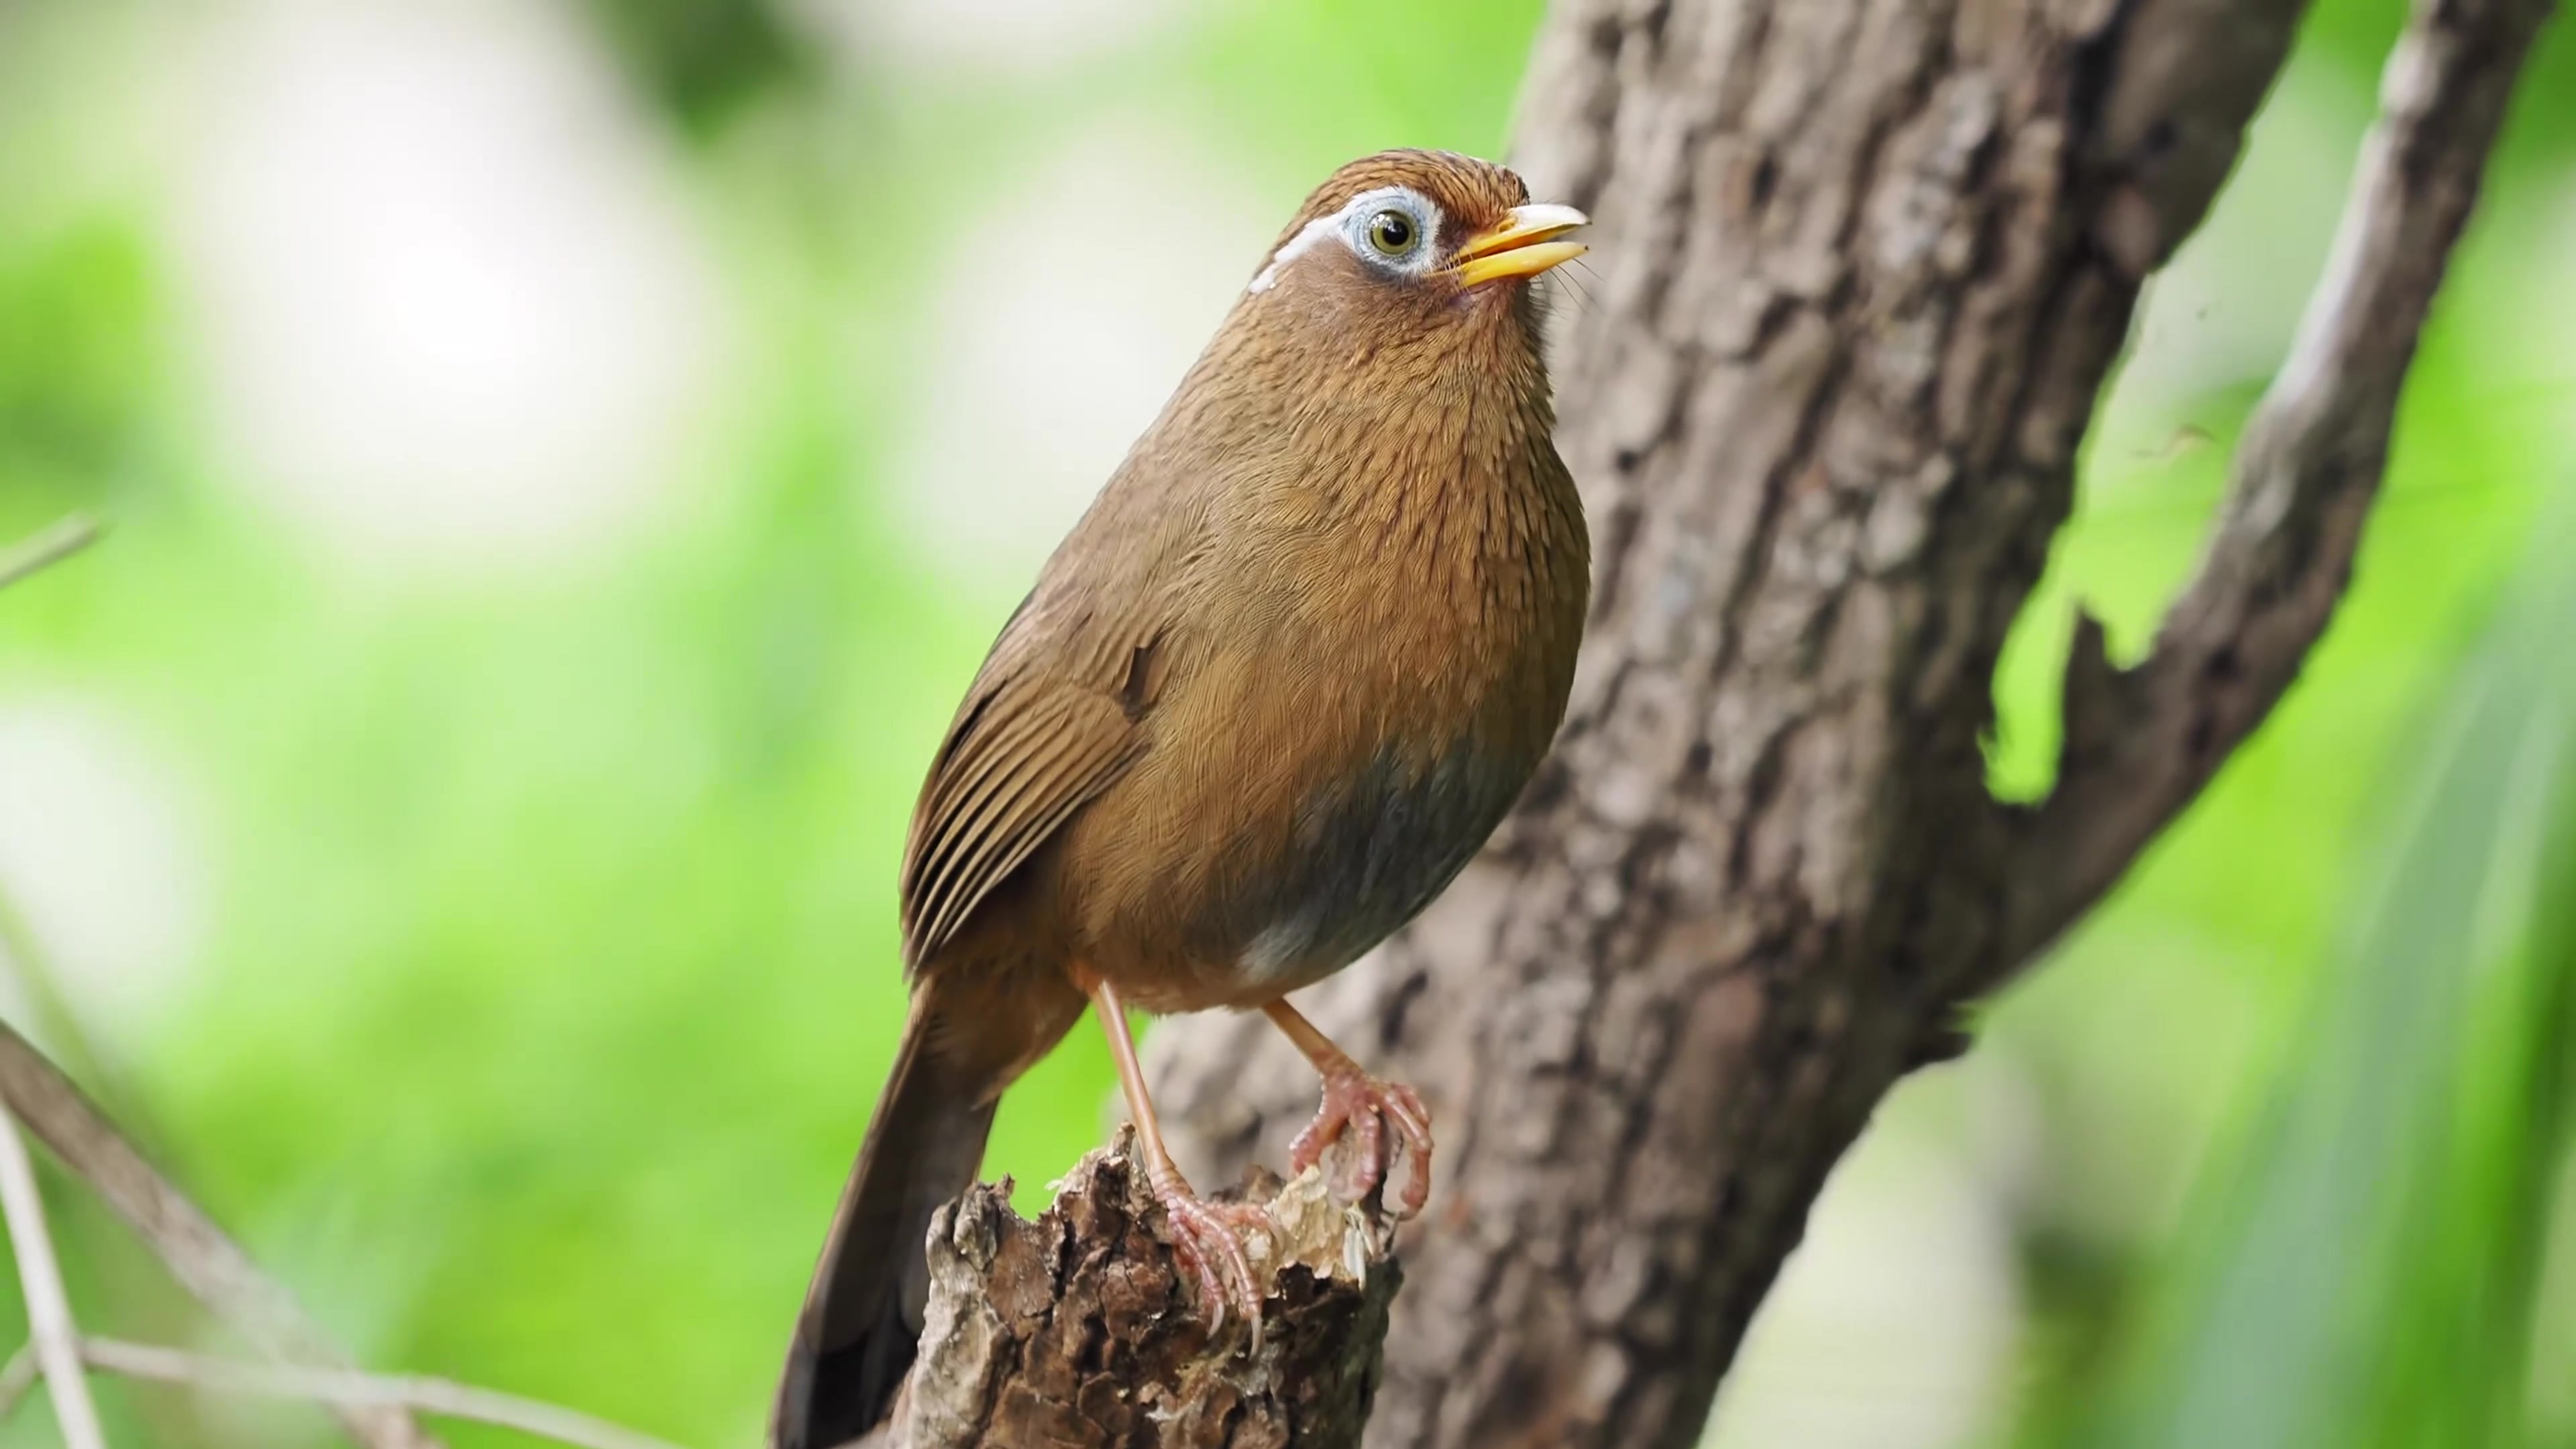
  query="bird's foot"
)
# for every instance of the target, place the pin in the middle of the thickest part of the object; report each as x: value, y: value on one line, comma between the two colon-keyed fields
x: 1364, y: 1106
x: 1207, y: 1237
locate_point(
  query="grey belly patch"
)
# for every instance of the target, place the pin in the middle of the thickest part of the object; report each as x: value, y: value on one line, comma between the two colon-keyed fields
x: 1371, y: 854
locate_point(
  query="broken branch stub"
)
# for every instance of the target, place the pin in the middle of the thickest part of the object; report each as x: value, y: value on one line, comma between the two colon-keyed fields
x: 1079, y: 1329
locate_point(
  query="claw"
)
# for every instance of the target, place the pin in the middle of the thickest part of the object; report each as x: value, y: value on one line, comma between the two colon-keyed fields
x: 1364, y: 1106
x: 1207, y: 1238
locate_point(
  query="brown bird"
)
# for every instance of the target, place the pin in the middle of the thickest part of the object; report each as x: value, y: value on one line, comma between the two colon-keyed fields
x: 1265, y: 701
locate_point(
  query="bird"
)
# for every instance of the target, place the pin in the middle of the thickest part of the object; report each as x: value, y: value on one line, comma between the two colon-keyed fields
x: 1277, y: 686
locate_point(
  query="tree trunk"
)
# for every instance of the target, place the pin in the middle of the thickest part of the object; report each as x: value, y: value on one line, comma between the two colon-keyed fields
x: 1862, y: 268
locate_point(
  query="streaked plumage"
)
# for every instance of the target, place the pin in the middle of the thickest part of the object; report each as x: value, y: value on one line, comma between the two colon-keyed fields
x: 1265, y: 700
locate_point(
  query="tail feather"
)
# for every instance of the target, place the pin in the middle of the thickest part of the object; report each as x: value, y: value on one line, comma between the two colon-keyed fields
x: 861, y: 1324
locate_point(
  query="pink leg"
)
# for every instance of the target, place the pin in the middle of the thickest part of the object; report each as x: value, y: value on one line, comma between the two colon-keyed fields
x: 1205, y: 1235
x: 1361, y: 1104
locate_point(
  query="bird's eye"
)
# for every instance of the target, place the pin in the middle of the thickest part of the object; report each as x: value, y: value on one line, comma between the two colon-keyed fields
x: 1393, y: 233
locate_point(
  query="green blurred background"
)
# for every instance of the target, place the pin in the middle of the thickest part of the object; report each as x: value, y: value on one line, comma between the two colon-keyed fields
x: 564, y: 459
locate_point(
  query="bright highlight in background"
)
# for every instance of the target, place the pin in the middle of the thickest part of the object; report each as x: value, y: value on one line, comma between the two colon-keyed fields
x: 448, y: 306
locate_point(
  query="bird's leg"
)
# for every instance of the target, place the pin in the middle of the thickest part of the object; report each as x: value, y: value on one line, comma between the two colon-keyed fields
x: 1357, y: 1102
x: 1205, y: 1234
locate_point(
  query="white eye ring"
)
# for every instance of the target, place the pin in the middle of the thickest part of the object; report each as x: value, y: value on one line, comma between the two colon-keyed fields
x: 1368, y: 211
x: 1355, y: 225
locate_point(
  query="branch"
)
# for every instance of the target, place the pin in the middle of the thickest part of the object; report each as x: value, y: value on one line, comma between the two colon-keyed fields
x: 377, y: 1410
x: 198, y: 1254
x: 1076, y: 1329
x: 2173, y: 117
x: 2141, y: 742
x: 350, y: 1388
x: 17, y: 1378
x: 56, y: 1024
x: 2185, y: 75
x: 49, y: 1309
x: 40, y: 551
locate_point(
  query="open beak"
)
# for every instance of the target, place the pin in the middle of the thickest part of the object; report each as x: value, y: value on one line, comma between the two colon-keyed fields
x: 1523, y: 246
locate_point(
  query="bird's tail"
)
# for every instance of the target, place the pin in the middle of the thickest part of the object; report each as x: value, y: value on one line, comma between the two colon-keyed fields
x: 862, y: 1319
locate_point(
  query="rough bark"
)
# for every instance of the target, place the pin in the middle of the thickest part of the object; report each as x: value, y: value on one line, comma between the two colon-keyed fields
x: 1075, y: 1331
x: 1862, y: 267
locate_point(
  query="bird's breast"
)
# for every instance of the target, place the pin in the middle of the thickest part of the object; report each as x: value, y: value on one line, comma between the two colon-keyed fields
x: 1364, y: 671
x: 1363, y: 855
x: 1312, y: 783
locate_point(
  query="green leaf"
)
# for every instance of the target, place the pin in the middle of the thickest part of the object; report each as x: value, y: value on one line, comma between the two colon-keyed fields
x: 2364, y: 1275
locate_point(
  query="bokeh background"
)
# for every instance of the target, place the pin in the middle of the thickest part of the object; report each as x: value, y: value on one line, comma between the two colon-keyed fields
x: 563, y: 458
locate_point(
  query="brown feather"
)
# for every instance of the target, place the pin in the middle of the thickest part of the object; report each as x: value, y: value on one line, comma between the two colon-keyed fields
x: 1346, y: 535
x: 1028, y: 753
x: 1269, y: 695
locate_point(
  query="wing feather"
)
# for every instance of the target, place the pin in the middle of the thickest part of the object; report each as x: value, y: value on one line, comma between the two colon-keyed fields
x: 1026, y: 754
x: 988, y: 765
x: 1062, y: 706
x: 1020, y: 770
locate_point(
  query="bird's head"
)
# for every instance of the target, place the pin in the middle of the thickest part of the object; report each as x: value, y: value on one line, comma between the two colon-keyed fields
x: 1390, y: 331
x: 1411, y: 246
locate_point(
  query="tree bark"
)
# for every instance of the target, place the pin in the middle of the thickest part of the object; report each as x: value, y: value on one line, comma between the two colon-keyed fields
x: 1075, y: 1331
x: 1862, y: 269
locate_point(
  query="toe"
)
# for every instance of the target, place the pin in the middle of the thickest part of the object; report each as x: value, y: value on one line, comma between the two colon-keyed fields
x: 1417, y: 1189
x: 1206, y: 1238
x: 1368, y: 1153
x: 1308, y: 1148
x: 1412, y: 1124
x: 1206, y: 1286
x: 1388, y: 1121
x: 1412, y: 1120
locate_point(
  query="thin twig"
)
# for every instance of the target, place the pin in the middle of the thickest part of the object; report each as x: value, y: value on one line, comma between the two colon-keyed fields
x: 205, y: 1261
x: 353, y: 1388
x: 18, y: 1377
x: 56, y: 1023
x: 49, y: 1308
x: 52, y: 546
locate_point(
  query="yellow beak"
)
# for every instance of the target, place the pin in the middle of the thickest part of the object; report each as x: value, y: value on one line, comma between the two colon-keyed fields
x: 1523, y: 246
